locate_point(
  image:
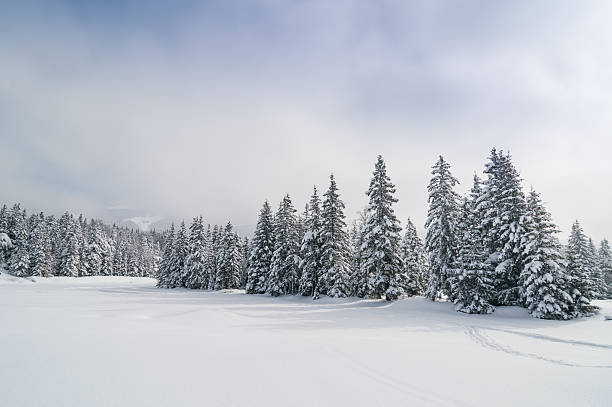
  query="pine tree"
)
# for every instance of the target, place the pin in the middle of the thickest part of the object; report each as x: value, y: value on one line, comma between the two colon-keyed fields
x: 503, y: 205
x: 245, y: 251
x: 262, y: 250
x: 598, y: 281
x: 578, y: 269
x: 415, y: 261
x: 39, y: 249
x: 440, y: 224
x: 97, y: 251
x: 311, y: 249
x: 19, y: 260
x: 543, y: 281
x: 163, y: 277
x: 70, y: 259
x: 177, y: 258
x: 381, y: 266
x: 284, y: 270
x: 335, y: 250
x: 196, y: 276
x: 359, y: 281
x: 228, y: 275
x: 604, y: 261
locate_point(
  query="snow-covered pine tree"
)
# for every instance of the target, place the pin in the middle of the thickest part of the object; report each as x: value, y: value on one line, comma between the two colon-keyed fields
x: 578, y: 269
x: 380, y: 262
x: 311, y: 249
x: 196, y: 275
x: 604, y: 260
x: 262, y: 249
x: 70, y: 258
x: 598, y: 281
x: 177, y: 257
x: 163, y: 276
x: 284, y: 270
x: 335, y: 250
x: 471, y: 283
x: 39, y: 249
x: 228, y: 274
x: 440, y: 224
x: 245, y: 250
x: 358, y: 280
x: 98, y: 250
x: 415, y: 261
x: 503, y: 206
x: 19, y: 260
x: 543, y: 281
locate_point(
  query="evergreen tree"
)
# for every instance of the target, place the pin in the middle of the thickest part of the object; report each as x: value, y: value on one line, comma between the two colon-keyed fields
x: 440, y: 224
x: 335, y: 250
x: 284, y: 270
x: 359, y: 281
x: 578, y: 269
x: 19, y: 261
x: 70, y: 259
x: 245, y: 251
x: 604, y: 261
x: 542, y: 280
x: 228, y: 274
x: 311, y: 249
x: 503, y: 206
x: 196, y: 275
x: 381, y: 266
x: 163, y: 278
x: 177, y: 258
x: 39, y: 249
x: 415, y: 261
x: 598, y: 281
x: 262, y: 249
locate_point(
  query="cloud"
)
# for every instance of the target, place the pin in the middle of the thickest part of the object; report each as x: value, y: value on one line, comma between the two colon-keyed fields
x: 212, y: 108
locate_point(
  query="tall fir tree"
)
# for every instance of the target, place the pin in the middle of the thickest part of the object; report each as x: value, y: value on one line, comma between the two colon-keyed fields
x: 262, y: 249
x: 196, y: 275
x: 598, y: 281
x: 163, y: 276
x: 284, y: 270
x: 440, y: 224
x: 503, y: 206
x: 543, y: 282
x: 310, y: 251
x: 70, y: 257
x: 39, y: 251
x: 177, y: 258
x: 335, y: 249
x: 415, y: 261
x: 604, y: 261
x: 230, y: 255
x: 578, y: 269
x: 381, y: 267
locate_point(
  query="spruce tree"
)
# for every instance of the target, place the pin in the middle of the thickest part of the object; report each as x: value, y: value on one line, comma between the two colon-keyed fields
x: 39, y: 249
x: 598, y: 281
x: 196, y: 275
x: 415, y: 261
x: 543, y: 281
x: 604, y: 261
x: 578, y: 269
x: 503, y: 206
x: 228, y: 273
x: 440, y: 224
x: 70, y: 258
x: 311, y: 249
x: 471, y: 283
x: 262, y: 249
x: 335, y: 249
x: 177, y: 258
x: 284, y: 270
x: 381, y: 267
x: 163, y: 277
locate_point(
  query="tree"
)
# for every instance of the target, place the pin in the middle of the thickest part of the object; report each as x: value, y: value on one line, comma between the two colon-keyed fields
x: 415, y: 261
x: 604, y: 256
x: 578, y: 269
x: 39, y: 250
x: 310, y: 263
x: 196, y: 276
x: 440, y: 224
x: 503, y: 206
x: 228, y: 275
x: 335, y: 250
x: 163, y: 277
x: 177, y: 258
x: 70, y: 257
x: 381, y: 266
x: 284, y: 270
x: 471, y: 283
x: 262, y: 249
x: 543, y: 281
x: 598, y: 282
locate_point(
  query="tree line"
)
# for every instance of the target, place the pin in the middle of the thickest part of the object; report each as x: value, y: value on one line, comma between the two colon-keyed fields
x: 42, y: 246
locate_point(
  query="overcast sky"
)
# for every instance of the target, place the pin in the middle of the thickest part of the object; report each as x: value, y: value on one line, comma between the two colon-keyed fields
x: 165, y: 110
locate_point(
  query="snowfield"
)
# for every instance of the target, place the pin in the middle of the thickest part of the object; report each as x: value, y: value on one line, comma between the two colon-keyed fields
x: 119, y: 341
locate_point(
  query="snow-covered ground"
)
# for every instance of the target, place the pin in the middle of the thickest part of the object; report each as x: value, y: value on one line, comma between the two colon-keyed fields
x: 119, y: 341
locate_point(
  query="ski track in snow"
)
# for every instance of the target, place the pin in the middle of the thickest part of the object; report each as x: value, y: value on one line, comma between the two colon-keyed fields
x: 479, y: 336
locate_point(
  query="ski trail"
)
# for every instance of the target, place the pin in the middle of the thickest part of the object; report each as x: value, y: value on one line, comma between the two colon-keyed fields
x: 408, y: 390
x: 553, y: 339
x: 478, y: 336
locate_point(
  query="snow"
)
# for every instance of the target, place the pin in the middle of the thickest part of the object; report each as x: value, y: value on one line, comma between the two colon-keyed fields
x: 119, y: 341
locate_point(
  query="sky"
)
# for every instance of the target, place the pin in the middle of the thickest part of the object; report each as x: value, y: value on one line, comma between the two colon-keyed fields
x: 164, y: 110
